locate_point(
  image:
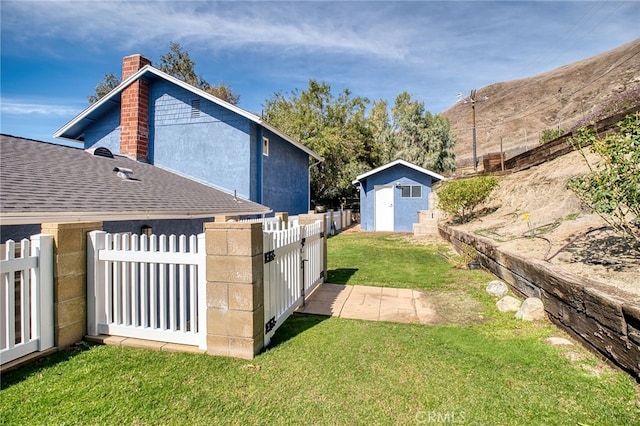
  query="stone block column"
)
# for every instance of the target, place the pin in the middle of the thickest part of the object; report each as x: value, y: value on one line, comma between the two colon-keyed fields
x: 70, y: 279
x: 219, y: 219
x: 235, y: 289
x: 284, y: 218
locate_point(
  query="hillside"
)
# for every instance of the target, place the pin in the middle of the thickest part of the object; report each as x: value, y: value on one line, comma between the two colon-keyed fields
x: 532, y: 214
x: 518, y: 111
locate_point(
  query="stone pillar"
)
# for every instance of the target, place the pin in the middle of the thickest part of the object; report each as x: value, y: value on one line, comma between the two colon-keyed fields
x: 219, y: 219
x: 306, y: 219
x: 235, y: 289
x: 70, y: 279
x: 284, y: 217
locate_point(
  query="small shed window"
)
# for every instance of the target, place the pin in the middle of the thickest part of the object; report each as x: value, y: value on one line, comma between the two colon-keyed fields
x: 265, y: 146
x: 411, y: 191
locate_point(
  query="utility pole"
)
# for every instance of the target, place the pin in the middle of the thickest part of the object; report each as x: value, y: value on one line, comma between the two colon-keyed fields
x: 472, y: 99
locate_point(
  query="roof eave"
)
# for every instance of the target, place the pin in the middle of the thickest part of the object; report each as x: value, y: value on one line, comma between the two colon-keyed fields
x: 47, y: 217
x: 60, y: 133
x: 396, y: 162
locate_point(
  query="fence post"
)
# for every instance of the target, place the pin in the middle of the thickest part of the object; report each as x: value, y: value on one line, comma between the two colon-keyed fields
x: 42, y: 290
x: 284, y: 219
x: 95, y: 281
x: 70, y: 279
x: 202, y: 291
x: 235, y: 289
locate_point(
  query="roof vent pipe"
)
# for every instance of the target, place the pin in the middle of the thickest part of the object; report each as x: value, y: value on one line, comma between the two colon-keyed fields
x: 123, y: 173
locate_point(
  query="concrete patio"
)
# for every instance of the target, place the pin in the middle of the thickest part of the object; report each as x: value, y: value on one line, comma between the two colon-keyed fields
x: 370, y: 303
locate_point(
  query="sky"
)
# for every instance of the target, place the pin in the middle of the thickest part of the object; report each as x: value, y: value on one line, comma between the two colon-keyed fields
x: 54, y: 53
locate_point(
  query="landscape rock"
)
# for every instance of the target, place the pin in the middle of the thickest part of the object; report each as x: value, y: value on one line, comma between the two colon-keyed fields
x: 558, y: 341
x: 508, y: 304
x: 532, y: 309
x: 497, y: 288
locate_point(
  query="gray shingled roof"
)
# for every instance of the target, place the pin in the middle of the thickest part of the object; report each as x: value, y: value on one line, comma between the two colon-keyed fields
x: 41, y: 182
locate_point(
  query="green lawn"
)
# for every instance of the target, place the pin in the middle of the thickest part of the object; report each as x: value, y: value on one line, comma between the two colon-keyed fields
x: 332, y: 371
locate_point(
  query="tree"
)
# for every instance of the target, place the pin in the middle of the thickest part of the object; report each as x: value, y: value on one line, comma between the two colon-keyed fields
x: 550, y: 134
x: 223, y: 92
x: 333, y: 126
x: 351, y: 142
x: 612, y: 187
x: 419, y: 137
x: 177, y: 63
x: 461, y: 197
x: 109, y: 83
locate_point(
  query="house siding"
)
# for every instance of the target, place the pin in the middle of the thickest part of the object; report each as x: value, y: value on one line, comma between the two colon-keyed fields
x: 405, y: 209
x: 105, y: 132
x: 211, y: 146
x: 216, y: 146
x: 160, y: 226
x: 285, y: 176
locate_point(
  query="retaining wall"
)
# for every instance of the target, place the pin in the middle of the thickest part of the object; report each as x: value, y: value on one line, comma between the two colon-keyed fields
x: 555, y: 148
x: 604, y: 318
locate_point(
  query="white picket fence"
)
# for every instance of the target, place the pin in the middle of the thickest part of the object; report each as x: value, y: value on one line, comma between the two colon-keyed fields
x: 26, y: 298
x: 293, y: 269
x: 154, y: 288
x: 274, y: 223
x: 336, y: 221
x: 150, y: 288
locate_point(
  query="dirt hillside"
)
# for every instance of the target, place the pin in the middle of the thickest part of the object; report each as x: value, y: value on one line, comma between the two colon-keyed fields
x: 518, y: 111
x: 535, y: 216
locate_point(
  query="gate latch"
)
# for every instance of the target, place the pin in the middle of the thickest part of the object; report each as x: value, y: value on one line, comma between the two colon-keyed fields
x: 270, y: 324
x: 269, y: 256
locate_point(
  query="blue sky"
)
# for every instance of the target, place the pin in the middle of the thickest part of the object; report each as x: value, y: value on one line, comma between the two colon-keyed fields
x: 55, y: 52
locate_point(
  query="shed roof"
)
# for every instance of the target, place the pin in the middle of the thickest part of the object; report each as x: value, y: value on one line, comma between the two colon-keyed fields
x: 395, y: 163
x: 74, y: 129
x: 43, y: 182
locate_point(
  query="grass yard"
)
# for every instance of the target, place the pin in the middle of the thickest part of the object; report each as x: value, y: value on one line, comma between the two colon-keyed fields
x: 333, y: 371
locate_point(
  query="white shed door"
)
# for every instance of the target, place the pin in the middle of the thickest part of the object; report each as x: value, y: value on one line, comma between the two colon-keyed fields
x: 384, y: 208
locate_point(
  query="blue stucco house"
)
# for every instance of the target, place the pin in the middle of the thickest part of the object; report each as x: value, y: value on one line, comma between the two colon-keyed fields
x: 392, y: 195
x: 155, y: 118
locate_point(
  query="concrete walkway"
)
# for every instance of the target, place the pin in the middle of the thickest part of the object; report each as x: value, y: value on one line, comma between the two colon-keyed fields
x: 370, y: 303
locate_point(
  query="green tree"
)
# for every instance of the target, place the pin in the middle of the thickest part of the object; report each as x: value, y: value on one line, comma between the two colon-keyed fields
x: 550, y: 134
x: 335, y: 127
x: 420, y: 137
x: 461, y: 197
x: 109, y: 83
x: 177, y: 63
x: 379, y: 124
x: 612, y: 187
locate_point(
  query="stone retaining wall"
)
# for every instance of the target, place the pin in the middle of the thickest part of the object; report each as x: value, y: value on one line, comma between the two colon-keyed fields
x: 606, y: 319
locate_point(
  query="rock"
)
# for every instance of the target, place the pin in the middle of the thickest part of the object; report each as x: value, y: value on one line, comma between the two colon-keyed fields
x: 497, y: 288
x: 532, y: 309
x: 508, y: 304
x: 558, y: 341
x: 564, y: 257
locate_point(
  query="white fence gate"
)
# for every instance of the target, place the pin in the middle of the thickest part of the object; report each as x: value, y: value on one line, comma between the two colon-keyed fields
x: 26, y: 298
x: 150, y: 288
x: 293, y: 269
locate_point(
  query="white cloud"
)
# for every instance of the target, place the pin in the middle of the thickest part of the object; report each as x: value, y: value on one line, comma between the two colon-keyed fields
x: 21, y: 107
x: 280, y: 26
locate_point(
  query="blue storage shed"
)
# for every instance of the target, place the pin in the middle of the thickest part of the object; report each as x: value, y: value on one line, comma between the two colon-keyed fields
x: 392, y: 195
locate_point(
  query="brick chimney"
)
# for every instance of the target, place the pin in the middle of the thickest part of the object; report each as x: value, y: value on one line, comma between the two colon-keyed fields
x: 134, y: 111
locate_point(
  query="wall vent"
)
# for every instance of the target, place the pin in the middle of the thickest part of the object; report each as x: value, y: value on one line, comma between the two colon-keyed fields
x: 101, y: 151
x: 195, y: 108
